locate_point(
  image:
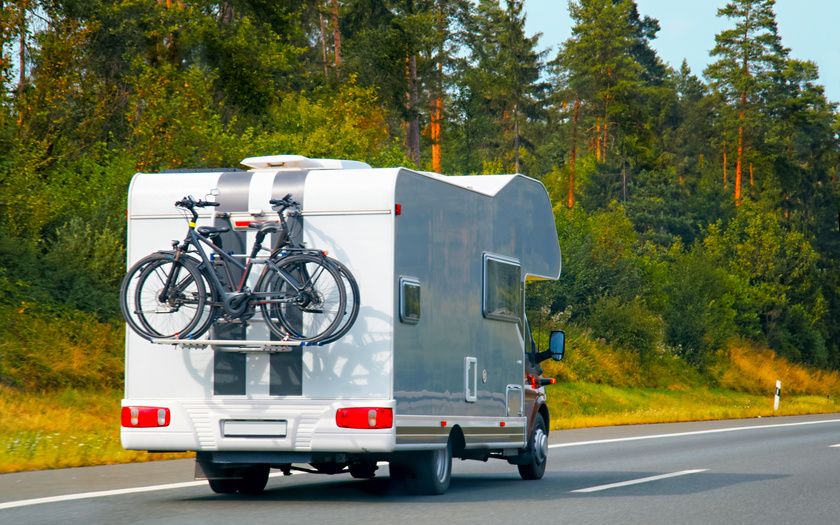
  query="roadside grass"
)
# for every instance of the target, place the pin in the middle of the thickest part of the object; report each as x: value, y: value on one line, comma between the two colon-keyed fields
x: 598, y: 385
x: 579, y: 405
x: 66, y: 428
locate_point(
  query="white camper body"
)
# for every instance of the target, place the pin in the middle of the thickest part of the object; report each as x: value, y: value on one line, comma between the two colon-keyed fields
x: 440, y: 344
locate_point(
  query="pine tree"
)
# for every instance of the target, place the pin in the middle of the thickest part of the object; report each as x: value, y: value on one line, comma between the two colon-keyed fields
x: 748, y: 54
x: 600, y: 74
x: 502, y: 91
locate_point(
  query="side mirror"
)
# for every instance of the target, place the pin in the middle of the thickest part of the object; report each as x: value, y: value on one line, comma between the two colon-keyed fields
x: 215, y: 191
x: 557, y: 344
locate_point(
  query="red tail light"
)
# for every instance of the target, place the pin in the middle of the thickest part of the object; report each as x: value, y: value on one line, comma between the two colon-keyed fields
x: 144, y: 417
x: 364, y: 417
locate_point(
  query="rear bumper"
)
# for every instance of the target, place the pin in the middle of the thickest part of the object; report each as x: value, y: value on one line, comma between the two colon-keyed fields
x: 310, y: 426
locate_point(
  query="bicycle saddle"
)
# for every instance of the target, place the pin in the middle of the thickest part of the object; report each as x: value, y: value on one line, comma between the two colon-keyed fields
x: 211, y: 231
x: 266, y: 226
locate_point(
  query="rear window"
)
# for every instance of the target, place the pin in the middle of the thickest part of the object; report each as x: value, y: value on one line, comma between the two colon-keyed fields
x: 409, y: 300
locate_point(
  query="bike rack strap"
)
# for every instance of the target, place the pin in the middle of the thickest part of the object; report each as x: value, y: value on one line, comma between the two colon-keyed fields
x: 233, y: 345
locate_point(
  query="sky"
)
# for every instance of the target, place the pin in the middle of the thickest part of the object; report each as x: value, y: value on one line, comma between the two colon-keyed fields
x: 688, y: 28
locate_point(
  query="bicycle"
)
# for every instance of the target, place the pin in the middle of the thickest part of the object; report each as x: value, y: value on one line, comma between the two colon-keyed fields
x: 172, y: 294
x: 286, y: 243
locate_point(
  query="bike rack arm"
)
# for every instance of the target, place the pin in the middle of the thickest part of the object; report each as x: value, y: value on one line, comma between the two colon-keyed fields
x: 233, y: 345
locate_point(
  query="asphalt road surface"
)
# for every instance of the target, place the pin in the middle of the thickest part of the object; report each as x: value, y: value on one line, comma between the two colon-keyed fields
x: 763, y: 471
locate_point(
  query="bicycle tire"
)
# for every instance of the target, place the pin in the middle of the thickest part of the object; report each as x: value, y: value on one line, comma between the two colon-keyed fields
x: 183, y: 310
x: 351, y: 307
x: 128, y: 290
x: 312, y: 314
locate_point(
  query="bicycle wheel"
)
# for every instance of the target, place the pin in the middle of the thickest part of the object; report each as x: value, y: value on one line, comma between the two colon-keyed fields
x: 301, y: 297
x: 351, y: 307
x: 171, y: 297
x: 128, y: 291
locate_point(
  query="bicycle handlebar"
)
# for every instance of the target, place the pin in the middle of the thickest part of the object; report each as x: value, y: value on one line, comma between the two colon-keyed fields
x: 285, y: 202
x: 189, y: 203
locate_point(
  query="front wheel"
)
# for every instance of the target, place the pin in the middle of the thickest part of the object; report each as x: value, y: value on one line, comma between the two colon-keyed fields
x: 301, y: 297
x: 538, y: 450
x: 351, y: 308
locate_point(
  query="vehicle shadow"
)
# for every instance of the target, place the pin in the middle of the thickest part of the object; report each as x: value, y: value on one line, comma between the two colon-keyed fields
x: 468, y: 488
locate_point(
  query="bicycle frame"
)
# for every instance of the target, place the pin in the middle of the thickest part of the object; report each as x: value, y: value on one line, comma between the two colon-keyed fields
x: 196, y: 240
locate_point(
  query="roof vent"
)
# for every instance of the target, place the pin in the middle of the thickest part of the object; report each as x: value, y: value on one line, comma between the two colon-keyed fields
x: 299, y: 162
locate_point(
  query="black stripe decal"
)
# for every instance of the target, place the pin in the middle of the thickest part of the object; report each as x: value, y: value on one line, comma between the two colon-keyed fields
x: 229, y: 369
x: 286, y: 374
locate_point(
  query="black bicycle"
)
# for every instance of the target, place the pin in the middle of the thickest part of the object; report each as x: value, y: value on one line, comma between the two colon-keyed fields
x: 301, y: 293
x: 286, y: 243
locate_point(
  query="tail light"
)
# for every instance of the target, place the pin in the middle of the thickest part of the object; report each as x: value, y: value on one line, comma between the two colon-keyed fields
x: 364, y: 417
x: 145, y: 417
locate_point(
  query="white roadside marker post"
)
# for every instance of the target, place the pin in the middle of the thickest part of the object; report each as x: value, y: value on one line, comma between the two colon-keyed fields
x: 776, y: 399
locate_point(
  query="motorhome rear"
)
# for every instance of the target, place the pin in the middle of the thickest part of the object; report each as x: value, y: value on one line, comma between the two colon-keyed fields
x: 434, y: 366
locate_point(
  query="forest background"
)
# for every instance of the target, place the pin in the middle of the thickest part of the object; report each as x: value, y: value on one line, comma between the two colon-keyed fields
x: 697, y: 211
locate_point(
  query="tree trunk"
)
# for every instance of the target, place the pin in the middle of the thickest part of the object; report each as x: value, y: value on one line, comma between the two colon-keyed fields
x: 573, y: 156
x: 738, y: 166
x: 336, y: 34
x: 22, y: 42
x: 725, y: 186
x: 412, y: 141
x: 437, y: 112
x: 323, y: 40
x: 516, y: 138
x: 436, y: 118
x: 606, y: 119
x: 598, y: 142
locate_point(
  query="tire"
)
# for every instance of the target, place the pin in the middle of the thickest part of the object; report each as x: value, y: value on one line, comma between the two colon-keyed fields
x: 351, y: 308
x: 427, y: 472
x: 128, y: 292
x: 179, y: 314
x: 311, y: 314
x: 251, y: 481
x: 538, y: 451
x: 224, y: 486
x: 254, y: 479
x: 363, y: 470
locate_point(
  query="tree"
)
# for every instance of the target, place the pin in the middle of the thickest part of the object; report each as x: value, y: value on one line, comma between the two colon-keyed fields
x: 502, y: 89
x: 749, y: 54
x: 600, y: 73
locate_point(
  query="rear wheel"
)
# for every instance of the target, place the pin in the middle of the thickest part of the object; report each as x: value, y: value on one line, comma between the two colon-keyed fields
x: 303, y: 298
x: 251, y: 480
x: 254, y: 479
x: 538, y: 450
x: 427, y: 472
x: 223, y: 486
x: 170, y: 298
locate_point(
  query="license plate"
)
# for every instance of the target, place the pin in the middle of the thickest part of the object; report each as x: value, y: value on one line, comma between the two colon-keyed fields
x: 254, y: 428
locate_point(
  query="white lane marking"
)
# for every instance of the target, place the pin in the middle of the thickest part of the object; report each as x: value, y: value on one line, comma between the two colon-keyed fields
x: 115, y: 492
x: 641, y: 480
x: 835, y: 446
x: 694, y: 433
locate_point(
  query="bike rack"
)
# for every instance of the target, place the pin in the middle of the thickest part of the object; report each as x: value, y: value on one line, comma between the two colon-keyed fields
x: 234, y: 345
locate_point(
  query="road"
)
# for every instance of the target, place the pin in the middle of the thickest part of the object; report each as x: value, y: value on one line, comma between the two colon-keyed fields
x: 762, y: 471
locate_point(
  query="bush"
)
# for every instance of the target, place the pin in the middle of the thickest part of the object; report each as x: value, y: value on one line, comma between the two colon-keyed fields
x: 628, y: 325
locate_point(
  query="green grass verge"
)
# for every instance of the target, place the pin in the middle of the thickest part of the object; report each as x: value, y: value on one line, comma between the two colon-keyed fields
x: 578, y: 405
x: 67, y: 428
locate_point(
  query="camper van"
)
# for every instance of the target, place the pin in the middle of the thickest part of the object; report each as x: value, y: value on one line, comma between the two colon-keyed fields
x: 439, y: 363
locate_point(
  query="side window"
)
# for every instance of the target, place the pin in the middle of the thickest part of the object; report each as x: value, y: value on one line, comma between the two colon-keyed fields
x: 502, y: 297
x: 409, y: 300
